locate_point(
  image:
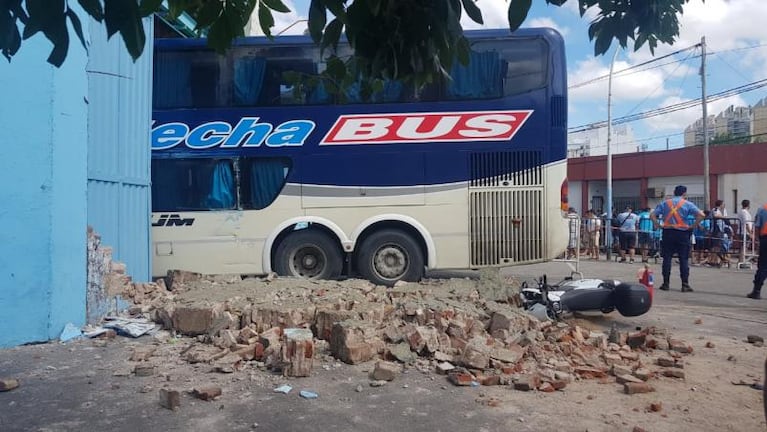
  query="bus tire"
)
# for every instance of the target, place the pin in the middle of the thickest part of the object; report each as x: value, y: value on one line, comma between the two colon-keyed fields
x: 309, y: 254
x: 388, y: 256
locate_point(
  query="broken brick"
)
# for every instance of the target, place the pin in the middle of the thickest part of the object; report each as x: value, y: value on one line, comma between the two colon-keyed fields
x: 527, y: 382
x: 636, y: 339
x: 623, y: 379
x: 460, y: 377
x: 680, y: 346
x: 634, y: 388
x: 352, y: 342
x: 297, y: 352
x: 8, y: 384
x: 547, y: 388
x: 192, y: 321
x: 143, y: 370
x: 673, y: 373
x: 559, y: 384
x: 643, y: 374
x: 476, y: 354
x: 207, y: 393
x: 385, y: 371
x: 142, y: 353
x: 170, y: 399
x: 666, y: 362
x: 444, y: 367
x: 490, y: 380
x: 656, y: 407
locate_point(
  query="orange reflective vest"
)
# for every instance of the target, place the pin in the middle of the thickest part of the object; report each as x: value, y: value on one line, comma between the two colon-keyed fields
x: 673, y: 219
x: 763, y: 231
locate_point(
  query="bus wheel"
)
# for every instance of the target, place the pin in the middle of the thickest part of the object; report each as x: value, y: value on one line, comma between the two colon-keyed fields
x: 308, y: 254
x: 388, y: 256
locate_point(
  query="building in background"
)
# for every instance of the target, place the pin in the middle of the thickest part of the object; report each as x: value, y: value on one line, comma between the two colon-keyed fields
x: 693, y: 134
x: 737, y: 172
x: 593, y: 142
x: 759, y: 121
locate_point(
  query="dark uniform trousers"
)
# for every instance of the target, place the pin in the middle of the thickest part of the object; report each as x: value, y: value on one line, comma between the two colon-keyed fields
x: 676, y: 241
x: 761, y: 270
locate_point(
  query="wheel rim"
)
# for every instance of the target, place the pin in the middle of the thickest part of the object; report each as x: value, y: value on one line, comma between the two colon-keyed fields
x: 391, y: 262
x: 308, y: 261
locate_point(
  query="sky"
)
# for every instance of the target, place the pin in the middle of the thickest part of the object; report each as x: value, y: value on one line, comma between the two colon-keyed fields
x: 734, y: 29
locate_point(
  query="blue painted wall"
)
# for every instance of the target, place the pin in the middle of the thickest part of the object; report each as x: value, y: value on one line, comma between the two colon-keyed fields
x: 43, y: 173
x: 74, y: 152
x: 119, y: 122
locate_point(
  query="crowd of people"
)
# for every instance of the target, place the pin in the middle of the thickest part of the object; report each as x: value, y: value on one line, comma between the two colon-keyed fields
x: 676, y: 229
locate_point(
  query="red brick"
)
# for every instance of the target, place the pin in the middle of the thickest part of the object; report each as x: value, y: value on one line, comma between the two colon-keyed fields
x: 656, y: 407
x: 170, y: 399
x: 491, y: 380
x: 559, y: 384
x: 636, y: 339
x: 547, y: 388
x: 673, y: 373
x: 460, y: 378
x: 634, y: 388
x: 207, y: 393
x: 527, y: 382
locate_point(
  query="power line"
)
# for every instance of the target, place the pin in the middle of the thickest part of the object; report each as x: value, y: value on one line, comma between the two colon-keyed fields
x: 674, y: 107
x: 649, y: 95
x: 603, y: 77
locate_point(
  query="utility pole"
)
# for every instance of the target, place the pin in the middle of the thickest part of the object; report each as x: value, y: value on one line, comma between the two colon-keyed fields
x: 706, y: 184
x: 609, y: 219
x: 666, y: 143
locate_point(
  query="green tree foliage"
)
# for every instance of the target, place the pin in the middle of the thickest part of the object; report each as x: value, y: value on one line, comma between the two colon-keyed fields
x: 416, y: 41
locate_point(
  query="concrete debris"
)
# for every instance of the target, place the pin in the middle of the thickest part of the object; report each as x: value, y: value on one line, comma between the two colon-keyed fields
x: 471, y: 331
x: 634, y: 388
x: 170, y: 399
x: 754, y: 339
x: 8, y: 384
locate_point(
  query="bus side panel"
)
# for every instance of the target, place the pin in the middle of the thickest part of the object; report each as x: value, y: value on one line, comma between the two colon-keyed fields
x: 557, y: 229
x: 217, y: 241
x: 445, y: 218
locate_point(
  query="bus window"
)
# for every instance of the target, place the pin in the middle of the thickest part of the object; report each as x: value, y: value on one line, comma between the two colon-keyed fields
x: 189, y: 79
x: 262, y: 179
x: 193, y: 185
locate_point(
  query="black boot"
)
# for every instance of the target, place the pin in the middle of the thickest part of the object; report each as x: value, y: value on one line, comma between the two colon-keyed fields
x: 754, y: 294
x: 664, y: 287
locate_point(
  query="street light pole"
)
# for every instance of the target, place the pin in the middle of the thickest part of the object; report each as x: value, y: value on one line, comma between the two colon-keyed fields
x: 609, y: 227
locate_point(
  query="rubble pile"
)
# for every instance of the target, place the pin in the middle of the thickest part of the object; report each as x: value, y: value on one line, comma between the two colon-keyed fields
x: 471, y: 331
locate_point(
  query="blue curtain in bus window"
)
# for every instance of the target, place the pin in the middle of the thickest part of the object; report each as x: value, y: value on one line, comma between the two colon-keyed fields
x: 267, y: 176
x: 318, y: 95
x: 221, y: 195
x: 171, y: 87
x: 168, y: 178
x: 481, y: 78
x: 248, y: 79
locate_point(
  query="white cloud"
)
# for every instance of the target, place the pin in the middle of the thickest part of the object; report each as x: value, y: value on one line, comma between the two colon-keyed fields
x: 547, y: 22
x: 494, y: 15
x: 284, y: 23
x: 628, y: 87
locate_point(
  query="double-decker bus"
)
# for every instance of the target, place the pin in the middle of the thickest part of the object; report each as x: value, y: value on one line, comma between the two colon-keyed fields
x: 251, y: 177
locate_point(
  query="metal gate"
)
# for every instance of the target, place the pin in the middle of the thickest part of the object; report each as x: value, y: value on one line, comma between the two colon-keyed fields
x: 506, y: 208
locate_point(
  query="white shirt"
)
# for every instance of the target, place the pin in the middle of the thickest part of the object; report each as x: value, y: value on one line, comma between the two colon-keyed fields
x: 746, y: 220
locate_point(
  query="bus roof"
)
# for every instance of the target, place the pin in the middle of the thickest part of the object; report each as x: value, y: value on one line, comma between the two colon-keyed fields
x: 197, y: 43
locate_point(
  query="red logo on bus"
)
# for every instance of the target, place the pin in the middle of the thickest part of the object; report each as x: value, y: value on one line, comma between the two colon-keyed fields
x: 425, y: 127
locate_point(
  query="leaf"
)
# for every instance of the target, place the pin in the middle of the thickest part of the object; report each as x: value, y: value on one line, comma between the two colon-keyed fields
x: 93, y: 8
x: 10, y: 38
x: 332, y: 34
x: 463, y: 51
x: 148, y: 7
x: 518, y: 10
x: 336, y: 68
x: 124, y: 16
x: 336, y: 7
x: 77, y: 26
x: 374, y: 6
x: 208, y: 13
x: 276, y: 5
x: 58, y: 34
x: 473, y: 11
x: 317, y: 20
x: 265, y: 19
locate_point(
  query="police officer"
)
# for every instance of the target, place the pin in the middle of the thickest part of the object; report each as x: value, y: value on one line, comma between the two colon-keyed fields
x: 760, y: 228
x: 676, y: 234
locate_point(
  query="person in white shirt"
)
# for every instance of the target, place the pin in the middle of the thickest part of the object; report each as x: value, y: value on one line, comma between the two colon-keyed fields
x: 628, y: 221
x: 746, y: 220
x: 593, y: 228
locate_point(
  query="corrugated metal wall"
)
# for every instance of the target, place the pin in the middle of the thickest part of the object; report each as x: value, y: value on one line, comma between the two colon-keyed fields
x: 120, y: 98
